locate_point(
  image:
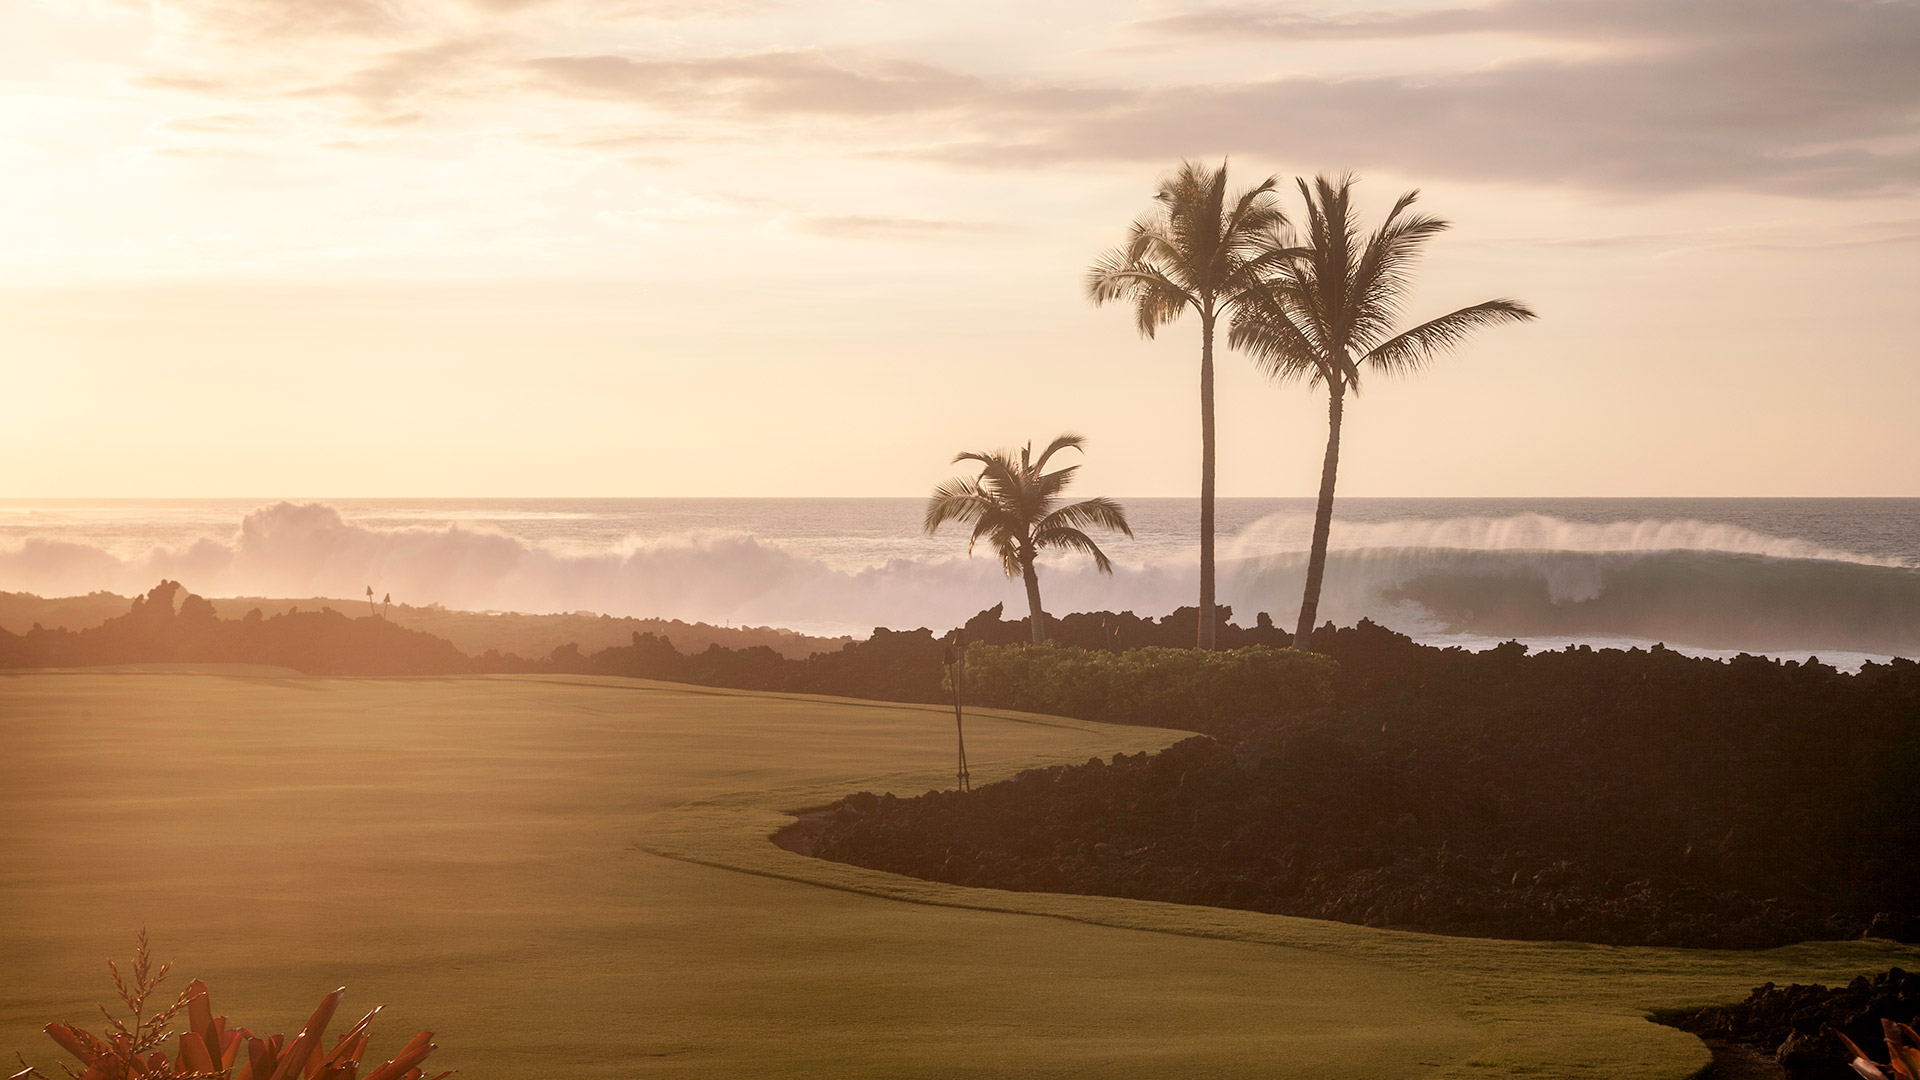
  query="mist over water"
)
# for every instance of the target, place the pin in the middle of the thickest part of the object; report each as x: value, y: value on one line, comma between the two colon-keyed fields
x: 1837, y: 577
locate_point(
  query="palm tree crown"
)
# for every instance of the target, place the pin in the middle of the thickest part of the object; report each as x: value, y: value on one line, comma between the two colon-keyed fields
x: 1198, y: 250
x: 1013, y: 505
x: 1330, y: 310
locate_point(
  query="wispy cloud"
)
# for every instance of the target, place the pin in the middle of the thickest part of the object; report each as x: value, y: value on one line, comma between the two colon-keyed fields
x: 1816, y: 98
x: 876, y: 227
x: 394, y: 86
x: 762, y: 83
x: 1568, y: 20
x: 300, y: 21
x: 280, y: 19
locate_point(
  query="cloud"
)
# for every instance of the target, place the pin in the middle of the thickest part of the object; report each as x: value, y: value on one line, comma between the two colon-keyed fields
x: 660, y: 208
x: 637, y: 9
x: 1586, y: 21
x: 1817, y: 97
x: 1763, y: 236
x: 294, y: 19
x: 299, y: 21
x: 185, y: 84
x: 1810, y: 97
x: 399, y: 77
x: 762, y: 83
x: 1640, y: 127
x: 217, y: 124
x: 875, y: 227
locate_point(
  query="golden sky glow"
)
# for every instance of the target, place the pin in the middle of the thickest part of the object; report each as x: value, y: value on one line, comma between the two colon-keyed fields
x: 700, y: 247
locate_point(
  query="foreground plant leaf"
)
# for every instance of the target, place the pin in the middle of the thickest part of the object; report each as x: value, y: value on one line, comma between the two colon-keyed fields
x: 210, y: 1046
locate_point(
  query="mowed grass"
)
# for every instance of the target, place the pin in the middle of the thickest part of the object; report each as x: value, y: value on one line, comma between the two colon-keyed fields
x: 570, y: 877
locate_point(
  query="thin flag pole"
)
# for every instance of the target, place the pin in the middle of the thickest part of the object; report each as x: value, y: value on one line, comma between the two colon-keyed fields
x: 956, y: 663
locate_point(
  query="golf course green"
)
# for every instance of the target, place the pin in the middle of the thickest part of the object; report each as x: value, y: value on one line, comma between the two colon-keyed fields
x: 571, y: 877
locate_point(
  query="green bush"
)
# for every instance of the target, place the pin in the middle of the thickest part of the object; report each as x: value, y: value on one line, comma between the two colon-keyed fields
x: 1180, y: 688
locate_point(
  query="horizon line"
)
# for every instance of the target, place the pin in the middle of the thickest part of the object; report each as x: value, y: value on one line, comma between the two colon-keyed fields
x: 4, y: 499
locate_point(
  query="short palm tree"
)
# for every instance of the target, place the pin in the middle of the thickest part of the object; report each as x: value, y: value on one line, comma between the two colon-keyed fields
x: 1330, y: 310
x: 1197, y: 250
x: 1013, y: 505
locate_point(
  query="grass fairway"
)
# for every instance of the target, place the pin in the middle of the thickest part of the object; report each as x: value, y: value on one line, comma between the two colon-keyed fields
x: 569, y: 877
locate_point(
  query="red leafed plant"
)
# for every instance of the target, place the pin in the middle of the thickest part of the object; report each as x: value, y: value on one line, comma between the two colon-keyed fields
x: 1903, y: 1054
x: 210, y: 1049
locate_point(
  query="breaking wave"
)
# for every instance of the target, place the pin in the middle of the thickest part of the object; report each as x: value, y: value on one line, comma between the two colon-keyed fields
x: 1689, y: 583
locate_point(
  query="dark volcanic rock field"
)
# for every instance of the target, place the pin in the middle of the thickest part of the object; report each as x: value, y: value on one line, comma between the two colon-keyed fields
x: 1614, y: 797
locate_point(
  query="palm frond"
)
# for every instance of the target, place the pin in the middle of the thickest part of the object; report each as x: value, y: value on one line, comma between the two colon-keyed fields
x: 1248, y: 229
x: 1099, y: 513
x: 1065, y: 441
x: 1325, y: 282
x: 1047, y: 486
x: 1383, y: 276
x: 1118, y: 272
x: 999, y: 474
x: 1199, y: 248
x: 1413, y: 349
x: 1002, y: 532
x: 1265, y: 264
x: 1265, y: 329
x: 1011, y: 503
x: 1191, y: 198
x: 1067, y: 539
x: 959, y: 499
x: 1157, y: 299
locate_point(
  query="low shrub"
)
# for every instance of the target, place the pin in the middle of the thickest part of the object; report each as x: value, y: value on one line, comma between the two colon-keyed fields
x: 1205, y: 690
x: 212, y: 1049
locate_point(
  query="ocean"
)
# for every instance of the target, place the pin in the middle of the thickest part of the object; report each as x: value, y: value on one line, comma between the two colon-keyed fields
x: 1836, y: 578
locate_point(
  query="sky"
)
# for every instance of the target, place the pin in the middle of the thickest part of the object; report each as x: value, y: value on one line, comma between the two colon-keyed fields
x: 309, y: 248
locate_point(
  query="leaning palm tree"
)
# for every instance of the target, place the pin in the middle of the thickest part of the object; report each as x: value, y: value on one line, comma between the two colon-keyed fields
x: 1329, y: 311
x: 1013, y: 505
x: 1197, y: 250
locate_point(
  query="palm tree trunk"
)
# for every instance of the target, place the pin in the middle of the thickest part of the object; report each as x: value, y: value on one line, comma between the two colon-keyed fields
x: 1036, y: 615
x: 1322, y: 522
x: 1205, y: 637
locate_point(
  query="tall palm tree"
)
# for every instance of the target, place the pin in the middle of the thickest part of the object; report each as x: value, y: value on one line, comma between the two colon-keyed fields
x: 1330, y: 309
x: 1013, y: 505
x: 1197, y: 250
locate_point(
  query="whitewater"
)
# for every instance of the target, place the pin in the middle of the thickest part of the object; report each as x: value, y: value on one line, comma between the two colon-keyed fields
x: 1838, y: 578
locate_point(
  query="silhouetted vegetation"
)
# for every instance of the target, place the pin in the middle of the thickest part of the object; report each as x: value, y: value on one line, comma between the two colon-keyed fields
x: 1328, y: 309
x: 472, y: 632
x: 1013, y: 507
x: 889, y: 666
x: 1198, y: 250
x: 1634, y: 797
x: 1182, y: 688
x: 169, y: 625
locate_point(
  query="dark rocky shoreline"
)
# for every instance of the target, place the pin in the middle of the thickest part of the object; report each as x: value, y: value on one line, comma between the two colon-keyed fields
x: 1166, y: 827
x: 1788, y: 1031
